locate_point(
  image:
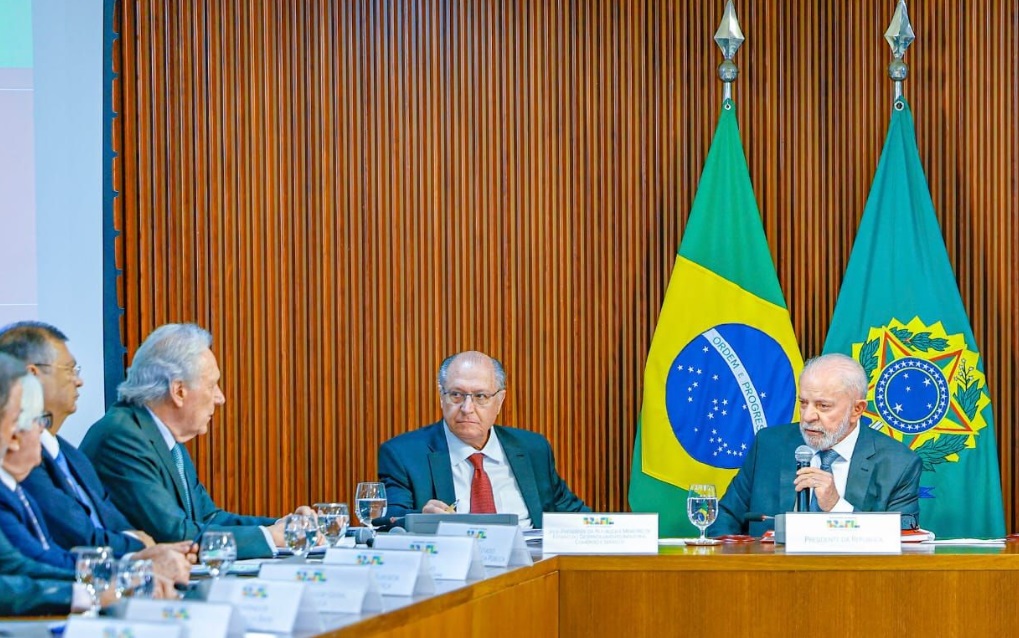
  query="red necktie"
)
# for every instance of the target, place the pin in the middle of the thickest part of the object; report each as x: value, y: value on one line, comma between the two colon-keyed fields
x: 482, y: 500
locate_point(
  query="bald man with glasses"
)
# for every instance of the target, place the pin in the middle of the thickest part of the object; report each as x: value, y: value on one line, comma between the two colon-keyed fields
x: 466, y: 463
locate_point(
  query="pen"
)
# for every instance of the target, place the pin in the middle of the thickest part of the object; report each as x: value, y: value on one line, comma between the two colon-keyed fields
x: 201, y: 531
x: 452, y: 508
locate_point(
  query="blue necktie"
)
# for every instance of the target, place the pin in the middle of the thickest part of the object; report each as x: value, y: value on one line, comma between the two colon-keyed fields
x: 178, y: 460
x: 37, y: 528
x: 827, y: 458
x: 76, y: 487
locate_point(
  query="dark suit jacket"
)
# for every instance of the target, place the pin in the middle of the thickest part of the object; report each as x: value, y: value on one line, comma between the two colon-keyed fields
x: 884, y: 476
x: 415, y: 468
x: 17, y: 527
x: 133, y: 462
x: 66, y: 517
x: 22, y: 596
x: 14, y: 563
x: 28, y: 587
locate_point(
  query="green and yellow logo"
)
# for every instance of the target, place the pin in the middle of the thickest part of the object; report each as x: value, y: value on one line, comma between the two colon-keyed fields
x: 925, y: 389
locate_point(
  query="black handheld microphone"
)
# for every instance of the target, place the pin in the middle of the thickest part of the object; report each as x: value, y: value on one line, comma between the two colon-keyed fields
x: 803, y: 455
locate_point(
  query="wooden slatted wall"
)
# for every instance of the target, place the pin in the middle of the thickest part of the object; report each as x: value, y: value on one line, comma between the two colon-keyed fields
x: 345, y: 192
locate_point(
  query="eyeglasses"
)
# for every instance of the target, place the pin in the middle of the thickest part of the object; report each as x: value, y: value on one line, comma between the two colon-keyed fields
x: 45, y: 420
x: 480, y: 399
x: 76, y: 369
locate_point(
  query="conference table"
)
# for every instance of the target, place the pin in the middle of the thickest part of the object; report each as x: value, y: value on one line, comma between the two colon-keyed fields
x: 751, y: 589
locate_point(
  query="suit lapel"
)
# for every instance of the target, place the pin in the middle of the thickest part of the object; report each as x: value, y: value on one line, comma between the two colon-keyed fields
x: 786, y: 490
x: 149, y: 429
x: 438, y: 464
x: 72, y: 467
x: 56, y: 475
x: 523, y: 472
x: 861, y: 471
x: 787, y: 474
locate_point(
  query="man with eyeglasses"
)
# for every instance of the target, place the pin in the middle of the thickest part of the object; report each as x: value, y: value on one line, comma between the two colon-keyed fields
x: 21, y: 518
x: 27, y: 586
x: 76, y: 507
x: 466, y: 463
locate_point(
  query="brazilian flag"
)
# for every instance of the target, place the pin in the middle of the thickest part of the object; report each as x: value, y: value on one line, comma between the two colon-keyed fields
x: 724, y: 360
x: 899, y: 313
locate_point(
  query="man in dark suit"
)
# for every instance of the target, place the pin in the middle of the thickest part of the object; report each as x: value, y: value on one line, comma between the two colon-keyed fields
x: 467, y: 460
x: 75, y: 506
x: 27, y: 587
x: 21, y: 519
x: 854, y: 468
x: 137, y: 448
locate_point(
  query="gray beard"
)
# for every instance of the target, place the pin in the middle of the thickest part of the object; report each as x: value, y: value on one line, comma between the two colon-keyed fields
x: 826, y: 440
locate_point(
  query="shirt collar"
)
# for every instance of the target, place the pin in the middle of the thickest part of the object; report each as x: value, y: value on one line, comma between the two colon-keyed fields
x: 50, y: 444
x: 846, y: 446
x: 163, y: 430
x: 460, y: 451
x: 7, y: 479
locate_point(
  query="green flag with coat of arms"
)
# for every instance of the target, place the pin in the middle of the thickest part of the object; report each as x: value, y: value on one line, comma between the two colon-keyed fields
x: 899, y: 313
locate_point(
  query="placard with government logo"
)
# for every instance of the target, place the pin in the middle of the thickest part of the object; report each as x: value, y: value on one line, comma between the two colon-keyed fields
x: 81, y: 627
x: 338, y: 589
x: 593, y: 533
x: 398, y: 572
x: 209, y: 620
x: 269, y: 605
x: 500, y: 545
x: 450, y: 557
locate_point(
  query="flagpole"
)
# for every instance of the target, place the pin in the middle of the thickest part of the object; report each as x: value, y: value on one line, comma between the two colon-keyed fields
x: 899, y: 36
x: 729, y: 39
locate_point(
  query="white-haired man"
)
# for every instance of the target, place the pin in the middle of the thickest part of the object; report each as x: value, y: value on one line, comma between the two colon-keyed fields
x: 169, y: 397
x: 853, y: 468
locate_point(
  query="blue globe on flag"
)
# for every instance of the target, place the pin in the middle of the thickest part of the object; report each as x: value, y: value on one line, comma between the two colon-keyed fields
x: 725, y: 385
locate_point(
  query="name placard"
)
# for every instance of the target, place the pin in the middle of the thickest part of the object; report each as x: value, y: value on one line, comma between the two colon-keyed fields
x: 500, y: 545
x: 200, y: 619
x: 398, y: 572
x: 269, y: 605
x: 79, y: 627
x: 840, y: 532
x: 450, y: 557
x: 600, y: 533
x: 341, y: 589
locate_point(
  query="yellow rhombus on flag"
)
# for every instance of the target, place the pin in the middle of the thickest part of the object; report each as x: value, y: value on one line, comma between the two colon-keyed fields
x: 724, y: 359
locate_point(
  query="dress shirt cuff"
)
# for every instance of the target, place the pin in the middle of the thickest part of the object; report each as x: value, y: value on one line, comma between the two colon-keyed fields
x: 843, y: 506
x: 80, y: 599
x: 268, y: 539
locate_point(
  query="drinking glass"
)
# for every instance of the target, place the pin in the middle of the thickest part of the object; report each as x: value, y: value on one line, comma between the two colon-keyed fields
x: 702, y: 508
x: 95, y: 568
x: 300, y: 531
x: 371, y: 503
x: 135, y: 579
x: 333, y: 519
x: 218, y: 552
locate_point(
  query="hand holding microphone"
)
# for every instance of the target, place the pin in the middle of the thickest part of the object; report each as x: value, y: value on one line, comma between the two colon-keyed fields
x: 813, y: 482
x: 803, y: 455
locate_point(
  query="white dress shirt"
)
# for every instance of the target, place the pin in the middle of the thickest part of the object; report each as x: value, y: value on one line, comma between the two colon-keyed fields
x: 7, y: 480
x: 508, y: 497
x: 50, y: 444
x: 840, y: 468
